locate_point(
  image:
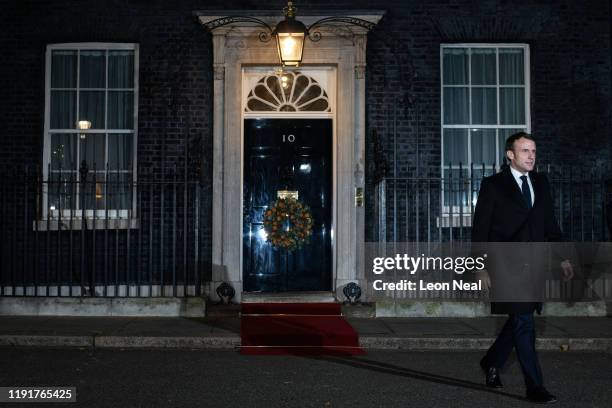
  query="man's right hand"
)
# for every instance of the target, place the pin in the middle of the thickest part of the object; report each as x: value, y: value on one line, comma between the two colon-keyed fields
x: 484, y: 278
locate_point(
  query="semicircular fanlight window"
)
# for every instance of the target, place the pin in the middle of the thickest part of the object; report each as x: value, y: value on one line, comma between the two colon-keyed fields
x: 288, y: 92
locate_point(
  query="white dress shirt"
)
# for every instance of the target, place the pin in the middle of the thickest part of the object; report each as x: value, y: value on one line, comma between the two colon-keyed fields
x: 517, y: 176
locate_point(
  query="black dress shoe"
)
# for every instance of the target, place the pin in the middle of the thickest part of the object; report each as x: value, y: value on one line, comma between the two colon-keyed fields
x: 492, y: 379
x: 540, y: 396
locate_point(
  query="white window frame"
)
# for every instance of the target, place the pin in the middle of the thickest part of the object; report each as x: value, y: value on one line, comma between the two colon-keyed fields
x: 456, y: 210
x: 72, y: 213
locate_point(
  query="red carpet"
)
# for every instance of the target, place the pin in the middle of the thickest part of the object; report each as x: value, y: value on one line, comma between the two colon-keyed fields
x: 296, y: 328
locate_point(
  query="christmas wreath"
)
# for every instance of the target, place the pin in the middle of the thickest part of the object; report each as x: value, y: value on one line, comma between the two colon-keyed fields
x: 288, y: 224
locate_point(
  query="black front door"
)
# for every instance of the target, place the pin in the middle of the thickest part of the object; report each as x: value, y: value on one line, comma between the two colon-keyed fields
x: 295, y: 155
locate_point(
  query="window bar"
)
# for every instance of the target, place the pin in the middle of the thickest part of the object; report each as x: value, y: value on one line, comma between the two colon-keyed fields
x: 139, y: 247
x: 161, y: 233
x: 3, y: 227
x: 196, y: 240
x: 451, y: 201
x: 185, y: 239
x: 406, y: 211
x: 498, y: 96
x: 94, y: 196
x: 47, y: 235
x: 113, y: 185
x: 9, y: 226
x: 14, y: 232
x: 472, y: 190
x: 570, y: 287
x: 441, y: 179
x: 470, y: 106
x: 125, y: 192
x: 417, y: 209
x: 174, y: 233
x: 498, y: 147
x: 83, y: 176
x: 395, y: 169
x: 106, y: 191
x: 571, y: 204
x: 151, y: 228
x: 581, y: 204
x: 604, y: 231
x: 460, y: 195
x: 25, y: 230
x: 411, y: 209
x: 484, y: 171
x: 412, y: 183
x: 561, y: 206
x: 593, y: 193
x: 428, y: 210
x: 58, y: 242
x: 378, y: 206
x: 83, y: 227
x: 185, y: 232
x: 72, y: 206
x: 37, y: 215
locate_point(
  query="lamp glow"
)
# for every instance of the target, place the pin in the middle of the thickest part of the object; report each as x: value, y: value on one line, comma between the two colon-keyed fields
x: 290, y: 35
x: 83, y: 125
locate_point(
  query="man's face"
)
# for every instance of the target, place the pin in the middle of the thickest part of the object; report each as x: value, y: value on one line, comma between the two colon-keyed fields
x: 523, y: 154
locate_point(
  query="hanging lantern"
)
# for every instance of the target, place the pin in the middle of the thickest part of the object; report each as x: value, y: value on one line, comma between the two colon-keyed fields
x: 290, y: 35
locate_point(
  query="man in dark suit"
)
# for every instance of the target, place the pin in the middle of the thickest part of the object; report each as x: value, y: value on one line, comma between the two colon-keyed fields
x: 516, y: 205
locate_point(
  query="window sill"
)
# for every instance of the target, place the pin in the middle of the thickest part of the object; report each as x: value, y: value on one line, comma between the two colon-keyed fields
x: 444, y: 221
x: 90, y: 224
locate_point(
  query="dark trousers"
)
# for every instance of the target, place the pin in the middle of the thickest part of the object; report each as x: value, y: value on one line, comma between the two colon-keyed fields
x: 518, y: 332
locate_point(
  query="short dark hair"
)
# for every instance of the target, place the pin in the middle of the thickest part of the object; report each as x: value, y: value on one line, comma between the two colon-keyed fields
x: 513, y: 138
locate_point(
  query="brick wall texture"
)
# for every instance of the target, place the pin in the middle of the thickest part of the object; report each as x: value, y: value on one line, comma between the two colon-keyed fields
x: 570, y: 76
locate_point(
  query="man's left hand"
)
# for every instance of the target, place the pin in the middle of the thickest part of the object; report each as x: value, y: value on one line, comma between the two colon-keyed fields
x: 568, y: 270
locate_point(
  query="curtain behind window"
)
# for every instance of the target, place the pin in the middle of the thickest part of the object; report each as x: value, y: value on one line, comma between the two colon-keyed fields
x: 476, y: 83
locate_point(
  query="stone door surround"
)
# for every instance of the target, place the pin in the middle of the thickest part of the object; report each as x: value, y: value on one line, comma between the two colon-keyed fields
x: 236, y: 46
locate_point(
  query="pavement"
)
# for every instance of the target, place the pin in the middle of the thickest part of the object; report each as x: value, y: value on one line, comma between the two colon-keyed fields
x: 422, y: 333
x: 224, y: 378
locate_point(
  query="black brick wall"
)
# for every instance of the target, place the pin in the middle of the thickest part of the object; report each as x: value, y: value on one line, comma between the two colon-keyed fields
x: 570, y: 75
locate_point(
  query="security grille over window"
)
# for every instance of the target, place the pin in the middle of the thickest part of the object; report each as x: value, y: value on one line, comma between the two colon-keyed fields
x: 287, y: 92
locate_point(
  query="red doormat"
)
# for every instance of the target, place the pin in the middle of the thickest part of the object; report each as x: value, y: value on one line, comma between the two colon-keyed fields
x: 296, y: 328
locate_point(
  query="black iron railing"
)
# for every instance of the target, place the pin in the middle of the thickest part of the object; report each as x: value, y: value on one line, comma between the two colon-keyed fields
x: 98, y: 233
x: 440, y: 208
x: 112, y: 234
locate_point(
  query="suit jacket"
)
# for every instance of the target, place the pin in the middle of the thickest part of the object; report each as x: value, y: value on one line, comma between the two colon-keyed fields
x: 502, y: 215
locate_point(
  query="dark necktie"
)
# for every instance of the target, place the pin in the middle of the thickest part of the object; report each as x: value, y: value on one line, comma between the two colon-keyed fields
x: 526, y: 192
